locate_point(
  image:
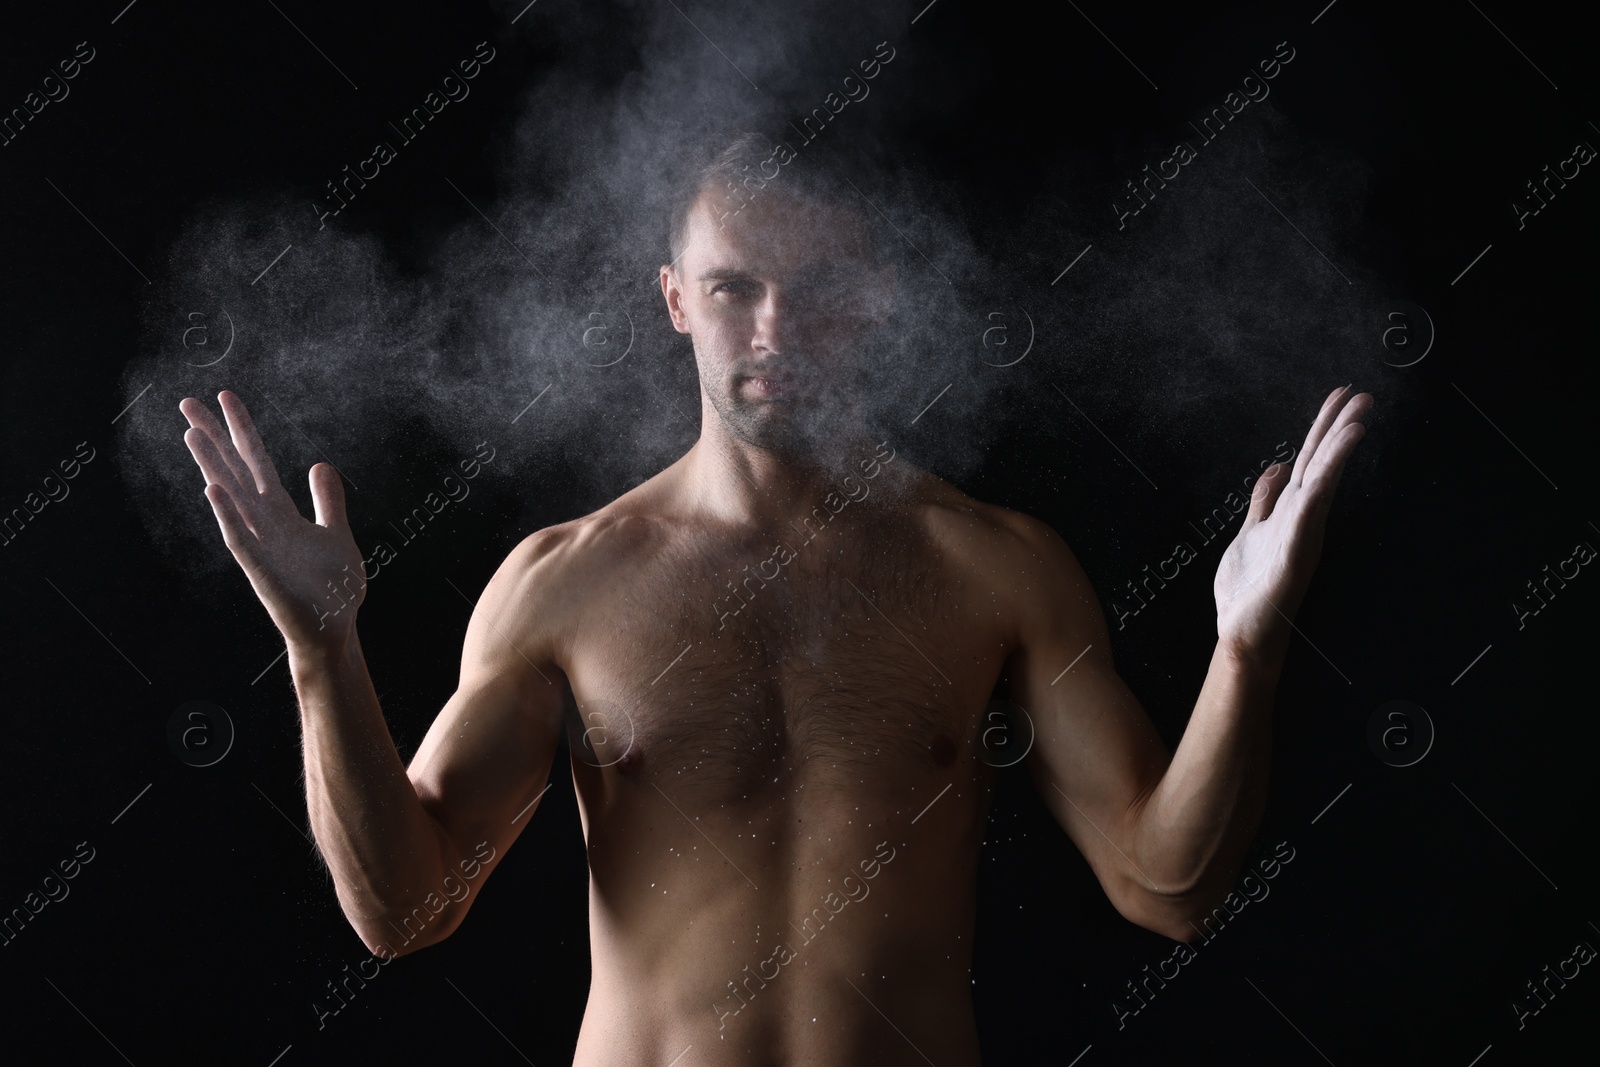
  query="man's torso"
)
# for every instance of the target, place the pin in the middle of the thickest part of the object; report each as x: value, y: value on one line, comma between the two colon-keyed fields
x: 778, y: 746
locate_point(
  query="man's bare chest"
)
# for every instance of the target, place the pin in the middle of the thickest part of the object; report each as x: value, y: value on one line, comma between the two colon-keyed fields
x: 827, y: 658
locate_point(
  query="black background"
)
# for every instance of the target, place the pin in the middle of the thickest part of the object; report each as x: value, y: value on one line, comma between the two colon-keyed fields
x: 1406, y: 923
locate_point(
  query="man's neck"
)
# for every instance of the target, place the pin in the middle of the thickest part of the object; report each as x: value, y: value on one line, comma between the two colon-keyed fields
x: 749, y: 485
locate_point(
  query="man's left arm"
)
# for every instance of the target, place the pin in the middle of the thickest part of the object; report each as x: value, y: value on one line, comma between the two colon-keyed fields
x: 1165, y: 833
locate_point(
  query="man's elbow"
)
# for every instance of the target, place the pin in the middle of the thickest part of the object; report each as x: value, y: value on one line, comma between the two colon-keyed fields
x: 1176, y: 915
x: 393, y: 946
x: 1166, y: 920
x: 403, y: 932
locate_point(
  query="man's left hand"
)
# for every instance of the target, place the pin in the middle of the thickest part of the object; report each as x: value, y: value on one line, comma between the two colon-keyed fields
x: 1265, y: 571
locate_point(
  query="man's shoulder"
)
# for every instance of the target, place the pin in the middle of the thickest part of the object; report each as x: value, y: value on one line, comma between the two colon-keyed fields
x: 987, y: 528
x: 588, y: 547
x: 1027, y: 564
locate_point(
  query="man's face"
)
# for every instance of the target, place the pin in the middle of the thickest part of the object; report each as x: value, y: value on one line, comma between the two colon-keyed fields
x: 779, y: 300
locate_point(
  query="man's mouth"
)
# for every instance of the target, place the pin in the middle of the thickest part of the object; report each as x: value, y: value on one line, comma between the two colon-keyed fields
x: 771, y: 386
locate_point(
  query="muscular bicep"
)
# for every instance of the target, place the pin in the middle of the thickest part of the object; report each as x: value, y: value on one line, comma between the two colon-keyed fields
x: 1096, y: 755
x: 487, y: 757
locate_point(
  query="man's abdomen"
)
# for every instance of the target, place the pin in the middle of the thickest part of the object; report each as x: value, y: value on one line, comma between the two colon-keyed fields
x: 836, y: 931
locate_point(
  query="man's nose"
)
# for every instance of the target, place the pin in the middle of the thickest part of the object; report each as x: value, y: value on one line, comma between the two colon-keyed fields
x: 775, y: 322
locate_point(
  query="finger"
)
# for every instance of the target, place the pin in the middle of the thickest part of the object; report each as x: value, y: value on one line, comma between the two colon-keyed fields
x: 200, y: 418
x: 327, y: 495
x: 1349, y: 414
x: 1323, y: 480
x: 248, y: 442
x: 217, y: 472
x: 1319, y: 428
x: 244, y: 545
x: 1264, y: 497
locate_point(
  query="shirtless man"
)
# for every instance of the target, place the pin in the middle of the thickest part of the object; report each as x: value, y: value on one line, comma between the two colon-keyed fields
x: 779, y: 652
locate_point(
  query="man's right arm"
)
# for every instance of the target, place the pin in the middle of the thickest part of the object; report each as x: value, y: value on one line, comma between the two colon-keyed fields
x: 397, y: 841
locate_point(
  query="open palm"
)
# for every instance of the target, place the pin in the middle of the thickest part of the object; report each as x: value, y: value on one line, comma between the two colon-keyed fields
x: 1265, y: 571
x: 307, y: 574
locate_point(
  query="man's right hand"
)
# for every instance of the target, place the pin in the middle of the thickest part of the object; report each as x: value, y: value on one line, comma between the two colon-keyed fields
x: 309, y: 575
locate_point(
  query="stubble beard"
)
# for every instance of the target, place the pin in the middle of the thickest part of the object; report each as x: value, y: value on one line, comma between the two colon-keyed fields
x: 812, y: 430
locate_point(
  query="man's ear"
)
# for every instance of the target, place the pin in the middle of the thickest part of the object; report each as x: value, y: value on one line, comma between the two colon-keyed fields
x: 674, y: 296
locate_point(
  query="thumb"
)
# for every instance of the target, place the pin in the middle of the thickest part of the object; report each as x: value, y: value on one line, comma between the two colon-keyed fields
x: 327, y: 495
x: 1266, y: 492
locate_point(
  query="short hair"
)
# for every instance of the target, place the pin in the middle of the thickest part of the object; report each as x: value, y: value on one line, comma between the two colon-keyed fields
x: 817, y: 169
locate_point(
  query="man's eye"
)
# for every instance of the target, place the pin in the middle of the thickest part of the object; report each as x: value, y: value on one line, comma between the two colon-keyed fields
x: 735, y: 288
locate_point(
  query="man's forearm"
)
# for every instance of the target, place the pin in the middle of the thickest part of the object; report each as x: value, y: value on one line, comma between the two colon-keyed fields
x: 1194, y: 827
x: 379, y: 841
